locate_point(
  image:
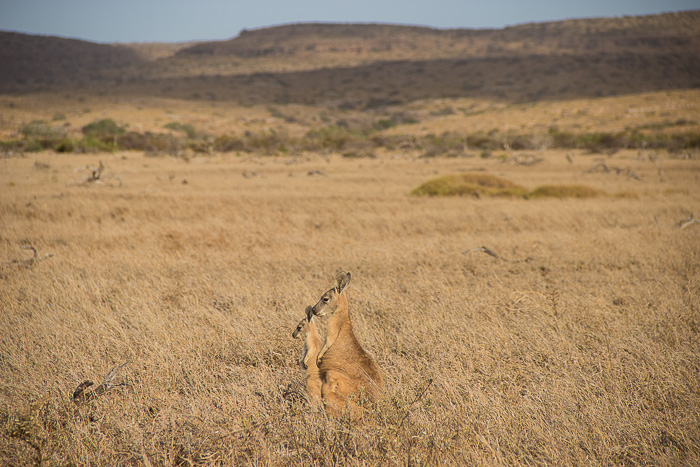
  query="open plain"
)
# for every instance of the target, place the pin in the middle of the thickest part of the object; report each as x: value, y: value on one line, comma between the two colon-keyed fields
x: 548, y: 316
x: 578, y: 345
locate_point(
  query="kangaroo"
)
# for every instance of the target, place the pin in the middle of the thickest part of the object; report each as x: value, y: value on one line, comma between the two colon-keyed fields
x: 312, y: 345
x: 346, y: 371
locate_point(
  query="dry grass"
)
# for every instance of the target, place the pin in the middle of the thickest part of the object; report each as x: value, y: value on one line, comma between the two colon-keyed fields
x: 587, y: 353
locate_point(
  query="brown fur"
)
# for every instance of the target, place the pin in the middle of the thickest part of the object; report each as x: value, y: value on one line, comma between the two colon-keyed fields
x: 312, y: 346
x: 348, y: 375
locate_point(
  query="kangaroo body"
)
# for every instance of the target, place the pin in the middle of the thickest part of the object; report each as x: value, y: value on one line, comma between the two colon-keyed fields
x: 347, y: 374
x: 312, y: 346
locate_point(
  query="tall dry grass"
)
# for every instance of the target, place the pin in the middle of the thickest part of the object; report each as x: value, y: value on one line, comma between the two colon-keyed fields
x: 581, y: 346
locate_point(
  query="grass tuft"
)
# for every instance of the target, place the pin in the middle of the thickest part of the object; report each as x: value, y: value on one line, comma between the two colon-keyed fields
x: 469, y: 184
x: 564, y: 191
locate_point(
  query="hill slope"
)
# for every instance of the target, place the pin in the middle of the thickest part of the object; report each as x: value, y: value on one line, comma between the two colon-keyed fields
x: 30, y: 61
x: 360, y: 65
x: 673, y: 32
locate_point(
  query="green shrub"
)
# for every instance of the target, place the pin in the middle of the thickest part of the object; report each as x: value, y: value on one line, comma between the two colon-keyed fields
x: 159, y: 145
x: 183, y: 127
x: 383, y: 124
x: 469, y: 184
x: 472, y: 184
x: 229, y: 143
x: 65, y: 145
x: 269, y: 143
x: 90, y: 144
x: 103, y: 129
x: 133, y: 141
x: 446, y: 143
x: 42, y: 130
x: 13, y: 145
x: 33, y: 145
x: 333, y: 138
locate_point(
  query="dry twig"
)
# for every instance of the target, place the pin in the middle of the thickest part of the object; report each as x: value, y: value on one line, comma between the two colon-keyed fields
x: 97, y: 176
x: 603, y: 167
x: 80, y: 396
x: 491, y: 253
x: 28, y: 263
x: 686, y: 222
x: 417, y: 399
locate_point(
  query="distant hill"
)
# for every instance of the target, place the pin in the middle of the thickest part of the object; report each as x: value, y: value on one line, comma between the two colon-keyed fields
x: 662, y: 33
x: 30, y: 62
x: 359, y: 65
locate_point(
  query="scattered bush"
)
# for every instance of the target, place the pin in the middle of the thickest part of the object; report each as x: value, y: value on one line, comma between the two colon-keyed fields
x: 470, y: 184
x: 133, y: 141
x: 229, y: 143
x: 356, y: 137
x: 446, y: 144
x: 160, y: 145
x: 65, y: 145
x: 186, y: 128
x: 333, y: 138
x: 384, y: 124
x: 91, y: 145
x: 270, y: 143
x: 103, y: 129
x: 41, y: 130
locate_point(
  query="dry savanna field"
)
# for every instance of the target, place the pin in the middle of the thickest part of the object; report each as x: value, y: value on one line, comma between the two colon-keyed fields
x: 516, y: 207
x: 577, y: 345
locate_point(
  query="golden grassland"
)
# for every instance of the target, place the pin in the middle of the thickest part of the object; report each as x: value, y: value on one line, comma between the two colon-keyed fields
x: 663, y: 111
x: 577, y: 345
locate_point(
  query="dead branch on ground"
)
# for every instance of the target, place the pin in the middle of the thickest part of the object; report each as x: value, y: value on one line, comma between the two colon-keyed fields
x: 96, y: 176
x: 686, y: 222
x: 526, y: 160
x: 602, y: 167
x: 491, y: 253
x: 28, y: 263
x: 80, y: 395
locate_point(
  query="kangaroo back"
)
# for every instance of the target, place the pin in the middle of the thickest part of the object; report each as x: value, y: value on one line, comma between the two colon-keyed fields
x: 348, y: 373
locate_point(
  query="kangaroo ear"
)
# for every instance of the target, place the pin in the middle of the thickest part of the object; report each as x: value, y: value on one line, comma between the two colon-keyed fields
x: 309, y: 313
x: 343, y: 279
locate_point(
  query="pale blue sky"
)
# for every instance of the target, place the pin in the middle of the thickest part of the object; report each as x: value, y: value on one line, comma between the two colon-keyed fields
x: 181, y: 20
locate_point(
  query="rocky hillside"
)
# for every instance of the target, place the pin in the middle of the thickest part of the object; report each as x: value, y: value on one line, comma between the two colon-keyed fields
x: 360, y: 65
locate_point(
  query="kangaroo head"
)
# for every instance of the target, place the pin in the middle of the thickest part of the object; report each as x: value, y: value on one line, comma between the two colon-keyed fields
x: 301, y: 327
x: 334, y: 297
x: 304, y: 323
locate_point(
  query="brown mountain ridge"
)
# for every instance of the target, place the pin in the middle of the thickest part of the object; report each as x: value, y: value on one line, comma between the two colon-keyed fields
x: 364, y: 65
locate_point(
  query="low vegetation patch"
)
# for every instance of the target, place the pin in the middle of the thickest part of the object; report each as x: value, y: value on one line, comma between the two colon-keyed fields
x: 344, y: 137
x: 564, y: 191
x: 471, y: 184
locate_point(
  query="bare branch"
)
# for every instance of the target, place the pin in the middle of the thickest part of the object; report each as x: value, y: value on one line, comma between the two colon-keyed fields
x: 491, y: 253
x: 605, y: 168
x: 80, y: 395
x: 31, y: 247
x: 97, y: 176
x: 686, y: 222
x: 417, y: 399
x: 28, y: 263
